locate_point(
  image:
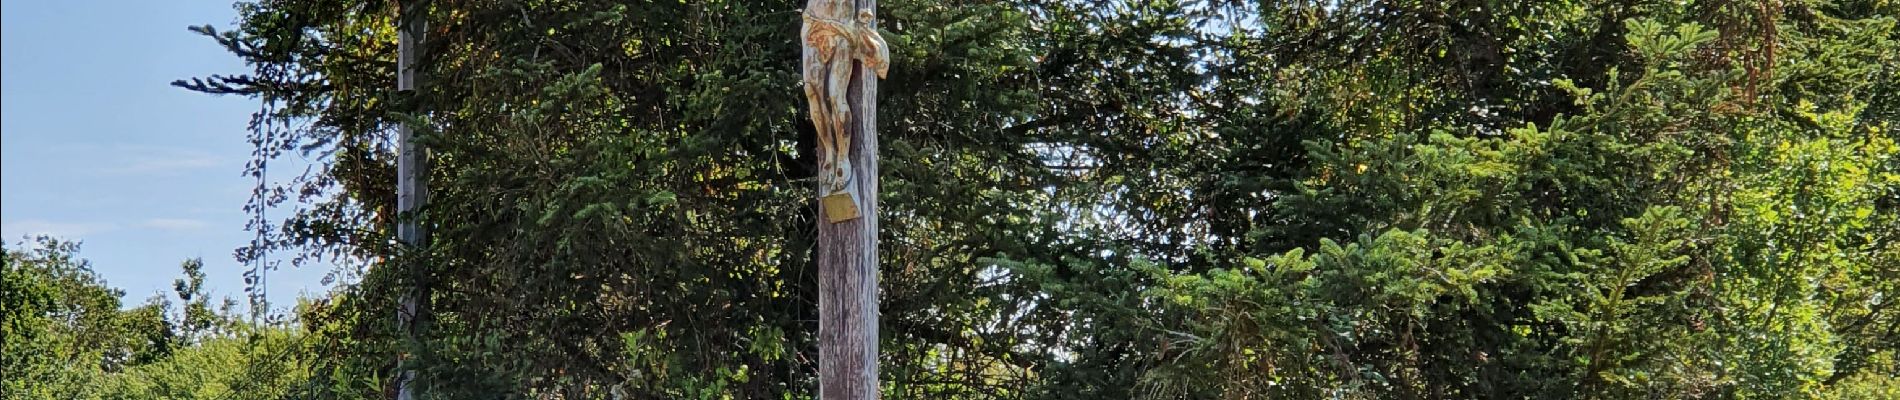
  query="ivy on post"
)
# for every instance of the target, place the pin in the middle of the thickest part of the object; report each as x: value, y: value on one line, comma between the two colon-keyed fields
x: 843, y: 57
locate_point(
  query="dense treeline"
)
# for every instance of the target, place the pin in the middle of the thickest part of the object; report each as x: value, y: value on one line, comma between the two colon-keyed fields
x: 66, y: 335
x: 1103, y: 200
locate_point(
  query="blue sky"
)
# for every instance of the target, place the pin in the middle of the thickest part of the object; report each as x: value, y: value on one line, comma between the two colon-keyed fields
x: 96, y: 146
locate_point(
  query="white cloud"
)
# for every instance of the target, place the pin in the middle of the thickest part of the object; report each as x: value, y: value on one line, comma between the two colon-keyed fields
x: 161, y: 165
x: 36, y: 227
x: 174, y: 224
x: 122, y: 159
x: 162, y: 162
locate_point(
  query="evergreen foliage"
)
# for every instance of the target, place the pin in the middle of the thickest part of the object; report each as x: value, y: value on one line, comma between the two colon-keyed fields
x: 1083, y: 200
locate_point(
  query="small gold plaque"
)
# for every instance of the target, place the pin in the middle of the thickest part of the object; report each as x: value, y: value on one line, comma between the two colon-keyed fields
x: 840, y: 206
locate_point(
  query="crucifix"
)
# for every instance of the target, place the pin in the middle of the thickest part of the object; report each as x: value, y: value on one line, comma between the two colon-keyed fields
x: 843, y: 57
x: 838, y: 36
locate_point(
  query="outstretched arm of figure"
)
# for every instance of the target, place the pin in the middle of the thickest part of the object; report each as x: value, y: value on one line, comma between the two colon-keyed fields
x: 870, y: 45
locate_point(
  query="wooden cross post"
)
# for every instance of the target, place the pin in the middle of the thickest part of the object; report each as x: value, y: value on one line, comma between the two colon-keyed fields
x: 843, y: 58
x: 411, y: 186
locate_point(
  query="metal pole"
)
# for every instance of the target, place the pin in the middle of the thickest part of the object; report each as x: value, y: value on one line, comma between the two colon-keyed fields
x: 411, y: 186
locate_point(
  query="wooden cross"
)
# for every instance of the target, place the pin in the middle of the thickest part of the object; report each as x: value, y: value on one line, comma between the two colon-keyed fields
x: 843, y: 57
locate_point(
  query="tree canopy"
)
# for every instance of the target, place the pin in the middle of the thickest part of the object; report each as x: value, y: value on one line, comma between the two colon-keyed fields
x: 1101, y: 200
x: 67, y: 336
